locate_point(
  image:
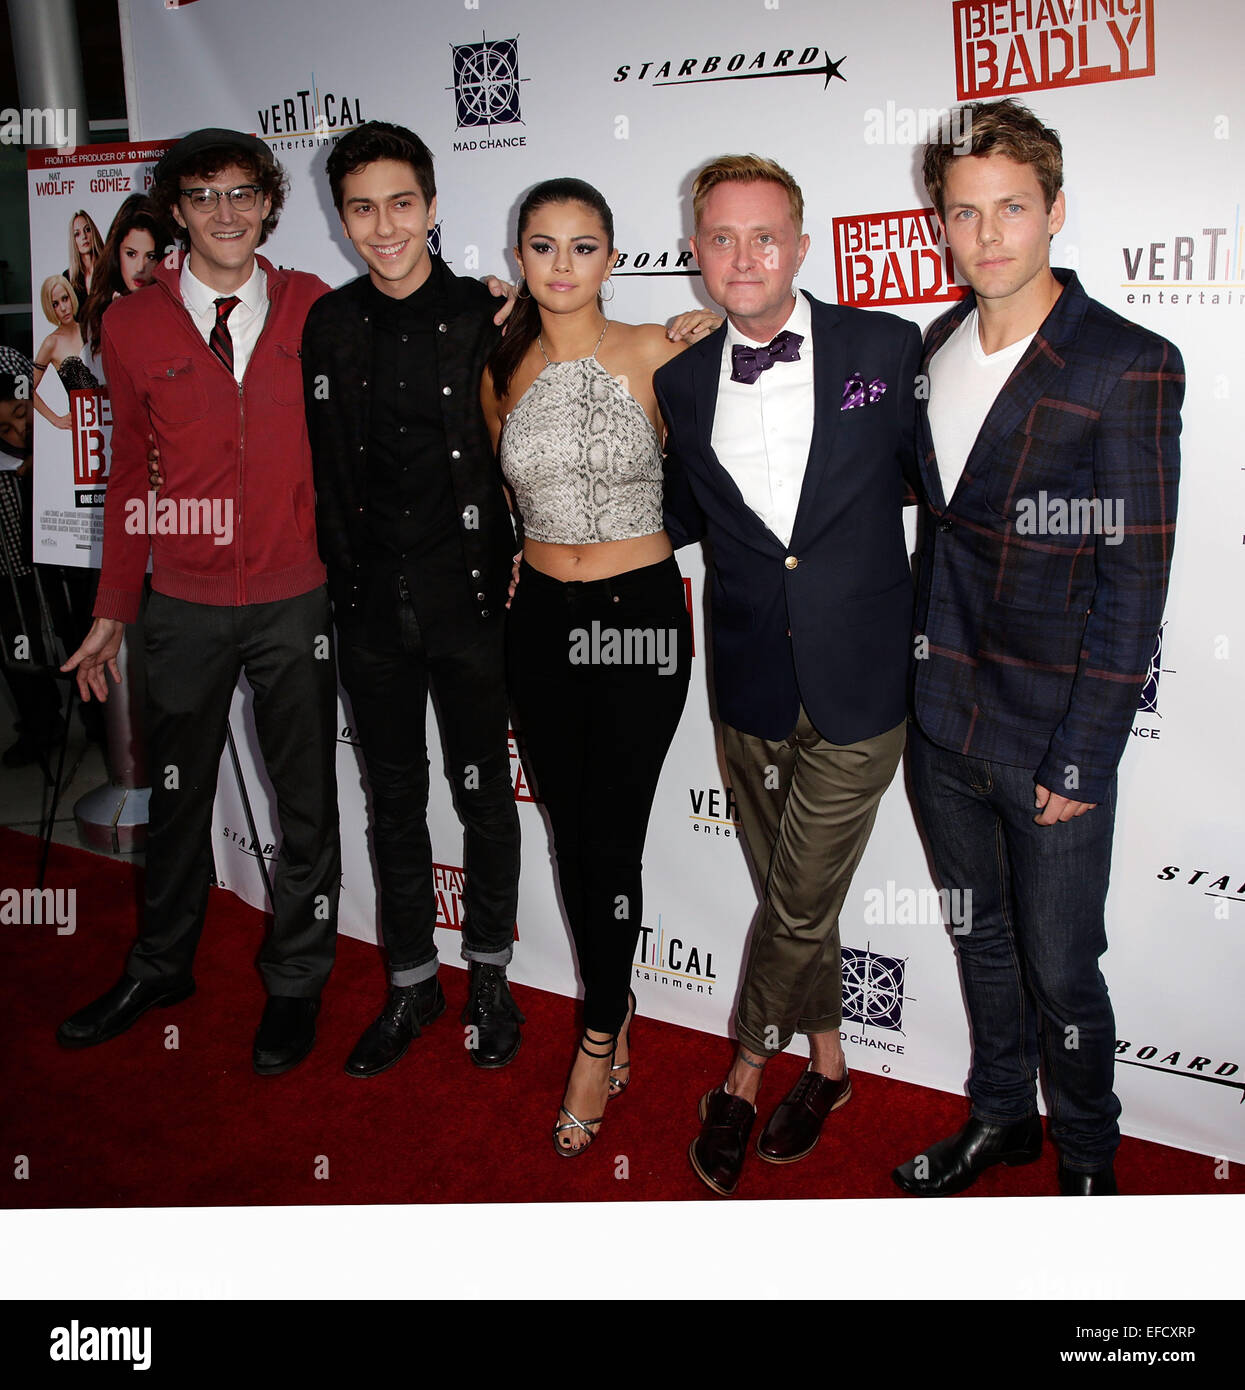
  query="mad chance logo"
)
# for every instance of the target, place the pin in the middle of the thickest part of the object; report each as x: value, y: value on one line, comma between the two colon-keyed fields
x: 873, y: 996
x: 486, y: 90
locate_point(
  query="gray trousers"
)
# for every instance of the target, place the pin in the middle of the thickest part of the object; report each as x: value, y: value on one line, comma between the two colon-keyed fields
x: 806, y: 807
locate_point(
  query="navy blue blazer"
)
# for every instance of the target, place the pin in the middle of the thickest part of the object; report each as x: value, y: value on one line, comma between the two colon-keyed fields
x: 1039, y: 640
x: 825, y: 621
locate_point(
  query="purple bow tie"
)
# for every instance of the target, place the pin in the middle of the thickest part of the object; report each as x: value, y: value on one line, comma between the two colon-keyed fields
x: 747, y: 363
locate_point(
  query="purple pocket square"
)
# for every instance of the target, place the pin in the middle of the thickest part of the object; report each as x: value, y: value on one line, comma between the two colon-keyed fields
x: 856, y: 393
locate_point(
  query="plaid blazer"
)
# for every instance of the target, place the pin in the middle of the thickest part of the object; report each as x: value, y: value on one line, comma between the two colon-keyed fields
x: 1039, y: 623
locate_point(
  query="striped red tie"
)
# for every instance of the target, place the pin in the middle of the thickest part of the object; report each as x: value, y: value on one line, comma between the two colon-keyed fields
x: 220, y: 342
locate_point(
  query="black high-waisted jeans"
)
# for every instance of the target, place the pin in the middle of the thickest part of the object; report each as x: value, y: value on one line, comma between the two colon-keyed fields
x: 598, y: 674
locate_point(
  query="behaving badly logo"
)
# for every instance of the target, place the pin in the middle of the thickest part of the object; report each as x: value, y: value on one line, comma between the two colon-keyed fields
x: 1002, y: 49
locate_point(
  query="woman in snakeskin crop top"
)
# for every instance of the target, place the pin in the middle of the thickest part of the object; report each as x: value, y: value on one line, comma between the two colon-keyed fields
x: 599, y: 636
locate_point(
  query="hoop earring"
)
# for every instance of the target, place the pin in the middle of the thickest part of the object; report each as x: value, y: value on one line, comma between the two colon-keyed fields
x: 518, y: 294
x: 607, y: 297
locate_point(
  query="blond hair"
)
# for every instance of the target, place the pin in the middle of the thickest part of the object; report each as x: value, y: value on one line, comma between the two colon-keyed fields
x: 745, y: 168
x: 49, y: 289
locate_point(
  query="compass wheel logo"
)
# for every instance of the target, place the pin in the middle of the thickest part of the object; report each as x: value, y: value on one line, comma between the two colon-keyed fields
x: 486, y: 83
x: 873, y: 989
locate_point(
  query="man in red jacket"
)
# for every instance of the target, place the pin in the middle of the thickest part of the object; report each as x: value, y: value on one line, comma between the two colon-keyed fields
x: 207, y: 362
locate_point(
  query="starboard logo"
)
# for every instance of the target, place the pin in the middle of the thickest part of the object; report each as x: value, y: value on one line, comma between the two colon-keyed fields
x: 714, y: 812
x: 739, y: 67
x: 673, y: 961
x: 1166, y: 272
x: 248, y: 845
x: 486, y: 92
x: 873, y: 996
x: 655, y: 263
x: 1207, y: 882
x: 310, y: 116
x: 1002, y: 49
x: 1176, y: 1063
x: 447, y: 887
x: 893, y: 258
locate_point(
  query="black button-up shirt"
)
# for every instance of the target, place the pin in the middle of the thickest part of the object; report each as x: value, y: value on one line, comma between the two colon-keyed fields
x: 412, y: 515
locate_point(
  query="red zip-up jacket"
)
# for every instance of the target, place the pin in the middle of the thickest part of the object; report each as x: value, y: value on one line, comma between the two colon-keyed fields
x: 234, y: 521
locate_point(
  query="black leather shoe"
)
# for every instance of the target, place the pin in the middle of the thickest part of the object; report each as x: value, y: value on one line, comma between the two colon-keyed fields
x: 112, y: 1013
x: 406, y: 1011
x: 717, y: 1152
x: 953, y: 1164
x: 795, y: 1127
x: 495, y: 1015
x: 287, y: 1033
x: 1100, y: 1183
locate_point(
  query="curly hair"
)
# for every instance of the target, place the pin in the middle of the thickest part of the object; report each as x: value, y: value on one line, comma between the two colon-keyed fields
x: 205, y: 166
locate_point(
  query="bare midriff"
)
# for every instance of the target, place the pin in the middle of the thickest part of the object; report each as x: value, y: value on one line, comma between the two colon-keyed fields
x: 598, y: 560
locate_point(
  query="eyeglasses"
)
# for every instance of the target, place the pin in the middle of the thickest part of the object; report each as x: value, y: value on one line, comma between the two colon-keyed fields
x: 241, y: 199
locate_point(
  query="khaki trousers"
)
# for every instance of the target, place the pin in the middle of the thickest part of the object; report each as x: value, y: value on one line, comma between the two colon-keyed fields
x: 806, y: 807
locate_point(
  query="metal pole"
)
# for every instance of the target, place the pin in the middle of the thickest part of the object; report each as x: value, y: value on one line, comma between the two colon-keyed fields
x: 48, y: 59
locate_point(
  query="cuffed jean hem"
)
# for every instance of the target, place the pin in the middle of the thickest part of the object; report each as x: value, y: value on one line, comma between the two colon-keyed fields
x: 403, y: 975
x: 501, y: 958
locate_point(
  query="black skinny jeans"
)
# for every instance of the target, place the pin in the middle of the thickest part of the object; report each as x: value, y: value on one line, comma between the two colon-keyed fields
x: 599, y: 673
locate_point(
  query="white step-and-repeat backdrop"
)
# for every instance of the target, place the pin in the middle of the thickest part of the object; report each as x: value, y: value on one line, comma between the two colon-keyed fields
x: 1147, y: 96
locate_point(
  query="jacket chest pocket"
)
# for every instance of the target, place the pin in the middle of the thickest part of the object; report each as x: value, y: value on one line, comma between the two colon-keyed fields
x: 1050, y: 458
x: 285, y: 380
x: 176, y: 392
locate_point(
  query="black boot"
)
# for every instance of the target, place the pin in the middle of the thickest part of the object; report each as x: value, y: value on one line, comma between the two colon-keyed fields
x: 953, y: 1164
x: 406, y: 1011
x: 494, y: 1015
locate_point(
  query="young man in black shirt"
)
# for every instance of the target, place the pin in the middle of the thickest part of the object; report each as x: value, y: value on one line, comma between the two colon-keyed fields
x: 416, y: 535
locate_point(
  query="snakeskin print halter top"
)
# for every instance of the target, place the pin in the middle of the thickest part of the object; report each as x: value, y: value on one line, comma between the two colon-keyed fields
x: 582, y: 457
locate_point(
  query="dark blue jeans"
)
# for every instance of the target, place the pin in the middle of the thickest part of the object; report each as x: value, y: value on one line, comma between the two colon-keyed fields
x: 1029, y: 959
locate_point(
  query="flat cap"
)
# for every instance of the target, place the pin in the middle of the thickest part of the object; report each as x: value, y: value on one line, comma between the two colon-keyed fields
x: 211, y: 138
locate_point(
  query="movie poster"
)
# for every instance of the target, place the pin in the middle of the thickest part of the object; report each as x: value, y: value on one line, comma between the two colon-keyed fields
x: 93, y: 237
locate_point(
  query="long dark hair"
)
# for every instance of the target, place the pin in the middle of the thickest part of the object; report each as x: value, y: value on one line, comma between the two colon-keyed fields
x: 523, y: 326
x: 137, y: 213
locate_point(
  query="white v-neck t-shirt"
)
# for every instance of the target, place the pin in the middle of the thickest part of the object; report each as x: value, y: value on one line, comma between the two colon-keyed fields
x: 964, y: 382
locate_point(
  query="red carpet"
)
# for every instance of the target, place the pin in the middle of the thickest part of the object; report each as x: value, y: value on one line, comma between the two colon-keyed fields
x: 136, y: 1123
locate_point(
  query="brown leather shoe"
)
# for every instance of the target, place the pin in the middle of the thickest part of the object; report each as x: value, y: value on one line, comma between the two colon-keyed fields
x: 717, y: 1152
x: 795, y: 1127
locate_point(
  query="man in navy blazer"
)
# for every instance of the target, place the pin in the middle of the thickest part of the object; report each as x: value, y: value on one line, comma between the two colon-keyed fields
x: 1049, y: 458
x: 789, y: 432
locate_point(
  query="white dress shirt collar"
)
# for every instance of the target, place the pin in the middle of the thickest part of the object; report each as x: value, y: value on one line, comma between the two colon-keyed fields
x: 201, y: 299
